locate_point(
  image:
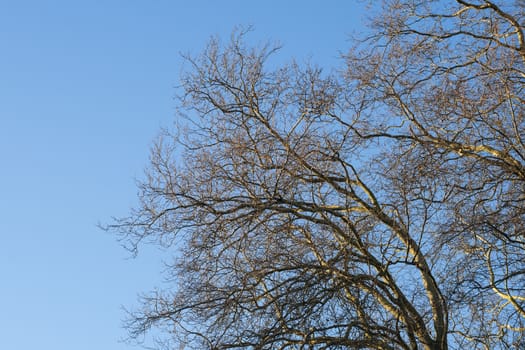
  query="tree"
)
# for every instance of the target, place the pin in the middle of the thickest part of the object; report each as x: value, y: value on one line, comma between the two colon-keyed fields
x: 377, y: 207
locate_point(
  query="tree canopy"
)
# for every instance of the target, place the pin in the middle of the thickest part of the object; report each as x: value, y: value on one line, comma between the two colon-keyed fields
x: 377, y: 206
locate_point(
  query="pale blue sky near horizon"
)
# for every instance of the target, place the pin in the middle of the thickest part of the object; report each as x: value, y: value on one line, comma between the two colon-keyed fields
x: 84, y: 88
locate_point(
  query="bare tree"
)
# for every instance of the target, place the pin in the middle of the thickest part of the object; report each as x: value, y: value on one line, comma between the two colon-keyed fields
x: 378, y: 207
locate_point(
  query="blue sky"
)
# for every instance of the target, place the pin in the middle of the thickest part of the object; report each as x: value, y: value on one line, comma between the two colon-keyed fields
x: 84, y: 88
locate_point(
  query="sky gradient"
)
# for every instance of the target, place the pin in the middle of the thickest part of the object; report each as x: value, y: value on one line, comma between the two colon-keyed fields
x: 84, y: 88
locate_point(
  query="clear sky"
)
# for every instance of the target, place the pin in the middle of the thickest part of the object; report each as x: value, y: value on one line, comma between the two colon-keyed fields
x: 84, y: 88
